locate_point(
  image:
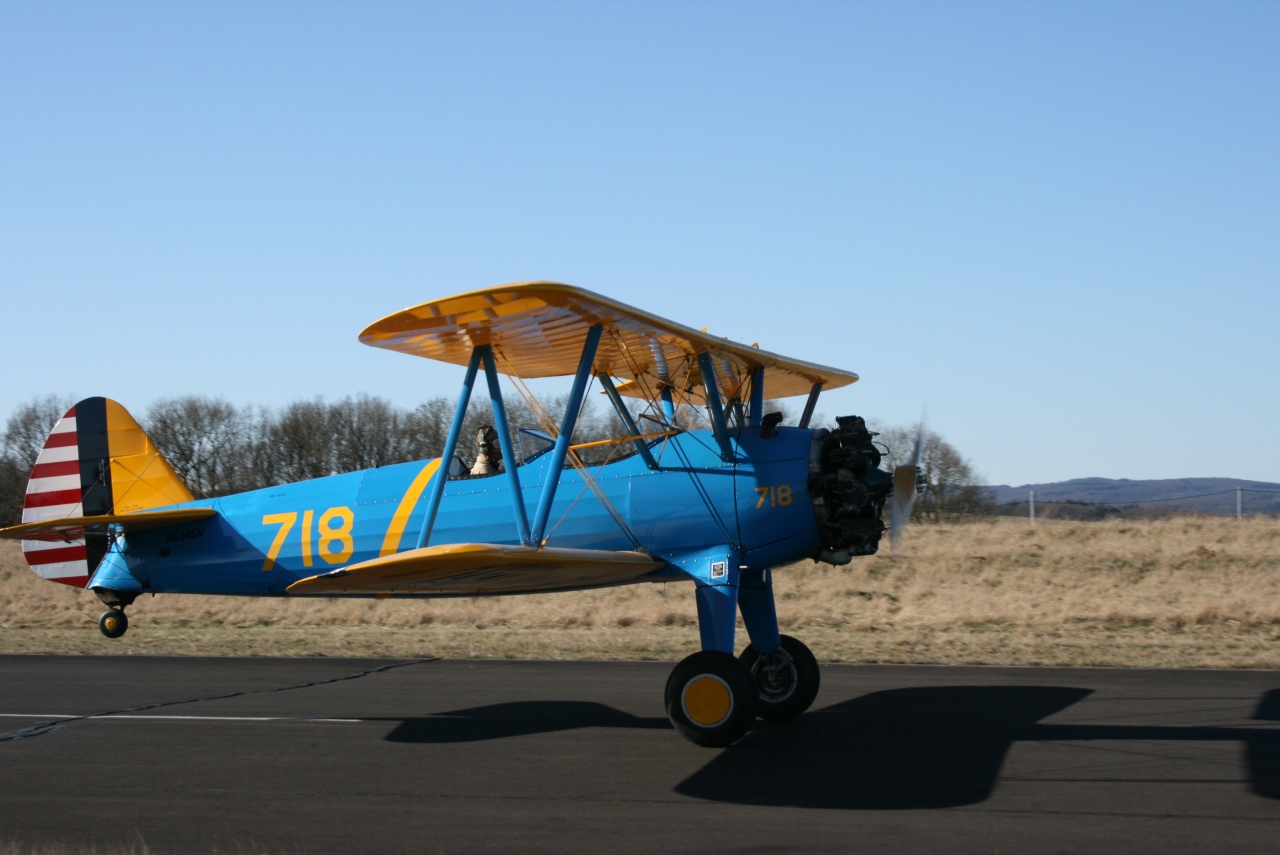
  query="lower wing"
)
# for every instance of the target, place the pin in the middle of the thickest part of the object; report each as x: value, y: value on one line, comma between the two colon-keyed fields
x: 482, y: 568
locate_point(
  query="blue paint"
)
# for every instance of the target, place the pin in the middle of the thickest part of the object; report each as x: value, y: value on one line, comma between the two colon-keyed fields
x: 504, y: 441
x: 668, y: 405
x: 715, y: 571
x: 712, y: 388
x: 625, y: 415
x: 756, y: 411
x: 694, y: 507
x: 450, y: 445
x: 755, y: 601
x: 561, y: 450
x: 809, y: 404
x: 113, y: 574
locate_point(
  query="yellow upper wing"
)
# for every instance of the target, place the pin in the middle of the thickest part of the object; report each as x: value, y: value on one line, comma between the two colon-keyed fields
x: 481, y: 568
x: 537, y: 329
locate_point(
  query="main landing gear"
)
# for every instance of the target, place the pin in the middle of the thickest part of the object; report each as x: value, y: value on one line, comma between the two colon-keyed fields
x: 787, y: 679
x: 713, y: 698
x: 113, y: 623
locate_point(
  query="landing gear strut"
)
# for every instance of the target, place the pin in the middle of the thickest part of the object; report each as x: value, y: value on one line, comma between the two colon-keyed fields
x: 113, y: 623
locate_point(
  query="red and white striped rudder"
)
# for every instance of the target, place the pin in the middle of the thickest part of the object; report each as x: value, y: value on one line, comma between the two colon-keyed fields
x: 54, y: 492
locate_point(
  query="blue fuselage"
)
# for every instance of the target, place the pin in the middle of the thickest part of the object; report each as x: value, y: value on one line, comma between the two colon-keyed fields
x: 262, y: 541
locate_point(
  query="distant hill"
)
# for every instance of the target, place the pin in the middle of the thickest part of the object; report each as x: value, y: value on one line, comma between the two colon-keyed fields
x: 1181, y: 493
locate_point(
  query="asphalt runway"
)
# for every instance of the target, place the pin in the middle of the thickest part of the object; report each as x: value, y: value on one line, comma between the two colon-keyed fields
x: 495, y: 756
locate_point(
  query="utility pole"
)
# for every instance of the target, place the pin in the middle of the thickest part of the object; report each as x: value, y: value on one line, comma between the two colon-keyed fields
x: 1239, y: 504
x: 1033, y: 508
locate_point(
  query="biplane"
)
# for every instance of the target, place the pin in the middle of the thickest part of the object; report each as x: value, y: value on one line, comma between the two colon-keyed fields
x: 702, y: 486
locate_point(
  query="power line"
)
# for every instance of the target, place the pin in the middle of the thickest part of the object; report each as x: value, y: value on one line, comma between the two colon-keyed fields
x: 1043, y: 500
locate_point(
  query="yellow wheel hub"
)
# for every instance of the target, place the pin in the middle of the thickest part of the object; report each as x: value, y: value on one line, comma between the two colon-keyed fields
x: 707, y: 700
x: 110, y: 623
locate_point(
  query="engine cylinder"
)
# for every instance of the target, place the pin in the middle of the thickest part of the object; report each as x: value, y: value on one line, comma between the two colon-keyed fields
x: 849, y: 490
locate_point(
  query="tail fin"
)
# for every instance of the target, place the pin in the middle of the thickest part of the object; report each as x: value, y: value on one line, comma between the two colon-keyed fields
x: 97, y: 460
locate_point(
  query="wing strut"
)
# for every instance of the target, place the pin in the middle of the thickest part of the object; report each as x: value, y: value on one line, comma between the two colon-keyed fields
x: 481, y: 355
x: 504, y: 441
x: 589, y: 481
x: 623, y: 413
x: 810, y: 404
x: 716, y: 409
x: 755, y: 411
x: 450, y: 445
x: 561, y: 449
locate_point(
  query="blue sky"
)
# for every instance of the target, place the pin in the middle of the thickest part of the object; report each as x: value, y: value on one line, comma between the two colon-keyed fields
x: 1056, y: 224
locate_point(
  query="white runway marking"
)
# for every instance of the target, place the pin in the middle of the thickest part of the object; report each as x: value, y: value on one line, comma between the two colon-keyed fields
x: 53, y: 723
x: 108, y: 717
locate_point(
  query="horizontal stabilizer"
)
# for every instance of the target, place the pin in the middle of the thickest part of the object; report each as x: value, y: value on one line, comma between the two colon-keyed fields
x: 75, y: 528
x: 481, y: 568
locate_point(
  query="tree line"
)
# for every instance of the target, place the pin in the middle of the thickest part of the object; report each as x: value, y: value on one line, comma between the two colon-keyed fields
x: 220, y: 448
x: 952, y: 488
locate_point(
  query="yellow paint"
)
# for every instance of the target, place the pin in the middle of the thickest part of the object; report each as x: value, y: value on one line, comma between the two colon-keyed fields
x: 774, y: 495
x: 110, y: 623
x: 285, y: 521
x: 391, y: 542
x: 707, y: 700
x: 538, y: 328
x: 67, y: 529
x: 141, y: 478
x: 307, y: 517
x: 329, y: 534
x: 628, y: 438
x: 483, y: 568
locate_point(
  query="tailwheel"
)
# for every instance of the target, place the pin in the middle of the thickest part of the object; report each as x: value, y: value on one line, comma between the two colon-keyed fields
x: 113, y: 623
x: 711, y: 699
x: 787, y: 679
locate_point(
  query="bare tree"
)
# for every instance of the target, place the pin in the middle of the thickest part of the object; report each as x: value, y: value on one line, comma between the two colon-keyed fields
x: 25, y: 433
x: 951, y: 485
x: 203, y: 438
x: 13, y: 483
x: 425, y: 429
x: 257, y: 464
x: 27, y: 429
x: 367, y: 432
x: 301, y: 440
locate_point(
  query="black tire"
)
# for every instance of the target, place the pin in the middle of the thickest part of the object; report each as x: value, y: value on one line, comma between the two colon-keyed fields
x: 790, y: 686
x: 113, y: 623
x: 711, y: 699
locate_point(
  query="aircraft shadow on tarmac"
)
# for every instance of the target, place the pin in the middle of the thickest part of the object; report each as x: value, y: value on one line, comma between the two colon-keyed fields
x: 521, y: 718
x: 932, y: 747
x: 914, y: 748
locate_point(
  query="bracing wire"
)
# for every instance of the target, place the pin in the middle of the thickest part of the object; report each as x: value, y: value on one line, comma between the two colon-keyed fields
x: 573, y: 458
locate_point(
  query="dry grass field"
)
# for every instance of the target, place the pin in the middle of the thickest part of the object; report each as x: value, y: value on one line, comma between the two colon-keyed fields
x: 1182, y: 592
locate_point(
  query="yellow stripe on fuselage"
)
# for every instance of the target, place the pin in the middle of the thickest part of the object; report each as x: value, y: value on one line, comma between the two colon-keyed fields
x: 391, y: 543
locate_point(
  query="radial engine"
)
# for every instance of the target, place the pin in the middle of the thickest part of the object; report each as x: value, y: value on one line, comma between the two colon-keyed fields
x: 849, y: 490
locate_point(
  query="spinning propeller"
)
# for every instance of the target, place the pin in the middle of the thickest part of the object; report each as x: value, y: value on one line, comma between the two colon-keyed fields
x: 906, y: 489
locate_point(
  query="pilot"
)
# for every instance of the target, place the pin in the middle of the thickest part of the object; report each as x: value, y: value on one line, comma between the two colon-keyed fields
x: 488, y: 453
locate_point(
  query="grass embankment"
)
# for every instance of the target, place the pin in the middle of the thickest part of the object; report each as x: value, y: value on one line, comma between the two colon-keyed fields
x: 1184, y: 592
